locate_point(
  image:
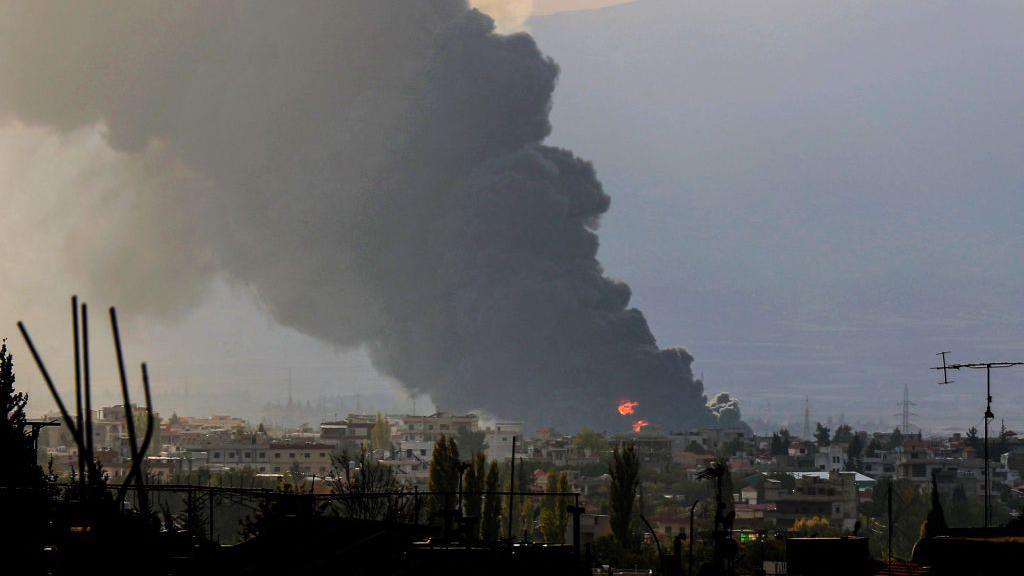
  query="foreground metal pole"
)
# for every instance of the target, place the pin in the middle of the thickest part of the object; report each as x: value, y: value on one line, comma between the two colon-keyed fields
x: 83, y: 442
x: 689, y: 559
x: 511, y: 489
x: 988, y: 417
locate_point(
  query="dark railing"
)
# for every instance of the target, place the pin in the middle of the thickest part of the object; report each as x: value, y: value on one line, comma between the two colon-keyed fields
x: 218, y: 512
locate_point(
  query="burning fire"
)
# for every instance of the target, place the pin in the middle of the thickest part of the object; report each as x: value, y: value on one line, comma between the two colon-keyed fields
x: 628, y: 407
x: 639, y: 424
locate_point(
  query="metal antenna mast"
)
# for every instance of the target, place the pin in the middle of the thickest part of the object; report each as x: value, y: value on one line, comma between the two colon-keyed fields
x: 988, y: 366
x: 807, y: 418
x: 905, y: 413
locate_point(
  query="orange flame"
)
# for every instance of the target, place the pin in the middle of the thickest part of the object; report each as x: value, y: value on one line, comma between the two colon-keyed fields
x: 639, y: 424
x: 627, y: 407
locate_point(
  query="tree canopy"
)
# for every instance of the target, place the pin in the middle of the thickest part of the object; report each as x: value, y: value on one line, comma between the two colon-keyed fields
x: 821, y: 435
x: 624, y: 470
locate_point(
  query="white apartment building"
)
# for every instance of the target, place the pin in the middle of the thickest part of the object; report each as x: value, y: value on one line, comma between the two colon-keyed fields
x: 499, y: 440
x: 831, y: 458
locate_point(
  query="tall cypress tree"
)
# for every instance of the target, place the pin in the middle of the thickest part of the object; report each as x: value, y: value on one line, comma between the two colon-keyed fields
x: 444, y: 477
x: 624, y: 470
x: 490, y: 525
x: 473, y: 487
x: 554, y: 517
x: 20, y: 468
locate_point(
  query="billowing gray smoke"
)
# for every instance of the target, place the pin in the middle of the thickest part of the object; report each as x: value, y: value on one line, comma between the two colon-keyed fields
x: 374, y: 171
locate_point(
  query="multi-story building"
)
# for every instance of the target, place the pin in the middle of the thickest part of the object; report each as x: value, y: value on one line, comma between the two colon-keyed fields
x: 430, y: 428
x: 880, y: 464
x: 499, y: 440
x: 715, y: 440
x: 832, y: 495
x: 831, y: 458
x: 349, y: 435
x: 307, y: 457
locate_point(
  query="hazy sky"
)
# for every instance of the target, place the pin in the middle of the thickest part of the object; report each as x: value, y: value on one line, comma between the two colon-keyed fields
x: 813, y: 198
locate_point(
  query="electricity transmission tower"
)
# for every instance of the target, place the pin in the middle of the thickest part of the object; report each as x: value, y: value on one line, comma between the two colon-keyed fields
x: 905, y: 412
x: 988, y: 366
x: 807, y: 418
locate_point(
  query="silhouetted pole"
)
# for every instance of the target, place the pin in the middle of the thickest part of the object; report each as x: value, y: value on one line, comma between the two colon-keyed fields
x: 988, y: 366
x: 689, y: 560
x: 87, y: 390
x: 576, y: 511
x: 988, y: 418
x: 82, y: 441
x: 889, y: 505
x: 511, y: 489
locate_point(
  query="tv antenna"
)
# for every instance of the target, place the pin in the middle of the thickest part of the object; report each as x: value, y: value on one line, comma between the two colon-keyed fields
x: 987, y: 366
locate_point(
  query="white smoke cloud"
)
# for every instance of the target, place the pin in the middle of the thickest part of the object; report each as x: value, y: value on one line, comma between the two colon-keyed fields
x: 509, y: 15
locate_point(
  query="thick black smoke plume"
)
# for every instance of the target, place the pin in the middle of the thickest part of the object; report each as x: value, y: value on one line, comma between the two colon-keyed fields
x: 374, y: 171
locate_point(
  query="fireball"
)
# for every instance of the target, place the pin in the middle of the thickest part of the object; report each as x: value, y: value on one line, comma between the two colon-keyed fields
x: 628, y: 407
x: 639, y: 424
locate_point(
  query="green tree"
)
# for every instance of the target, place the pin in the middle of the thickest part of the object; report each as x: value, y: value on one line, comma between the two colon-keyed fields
x: 554, y: 517
x: 910, y: 509
x: 444, y: 476
x: 367, y: 487
x: 843, y: 435
x: 470, y: 441
x: 523, y: 504
x: 587, y: 439
x: 872, y: 448
x: 527, y: 517
x: 19, y: 467
x: 473, y: 487
x: 624, y: 470
x: 973, y: 440
x: 854, y: 451
x: 380, y: 434
x: 896, y: 439
x: 821, y: 435
x: 490, y: 524
x: 24, y: 500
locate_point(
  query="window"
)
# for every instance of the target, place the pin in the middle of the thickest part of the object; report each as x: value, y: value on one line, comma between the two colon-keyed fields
x: 291, y: 455
x: 277, y: 454
x: 423, y: 451
x: 277, y: 468
x: 216, y: 454
x: 323, y: 455
x: 263, y: 454
x: 231, y: 454
x: 263, y: 468
x: 248, y: 454
x: 305, y: 455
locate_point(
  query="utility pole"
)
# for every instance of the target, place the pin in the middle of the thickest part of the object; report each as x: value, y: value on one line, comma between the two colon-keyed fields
x: 987, y: 366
